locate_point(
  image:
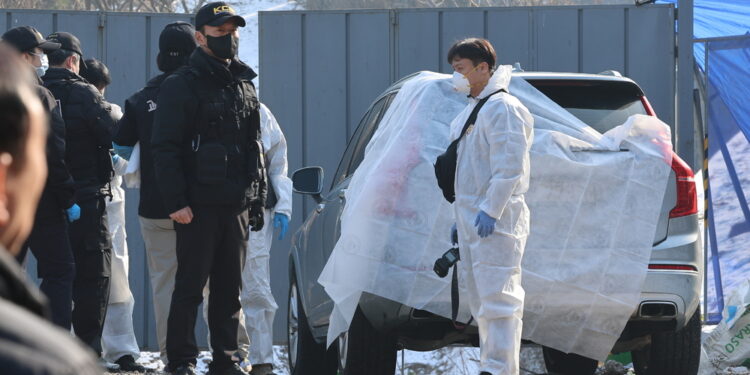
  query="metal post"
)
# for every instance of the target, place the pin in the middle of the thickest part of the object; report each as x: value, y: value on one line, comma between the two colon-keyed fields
x: 685, y: 131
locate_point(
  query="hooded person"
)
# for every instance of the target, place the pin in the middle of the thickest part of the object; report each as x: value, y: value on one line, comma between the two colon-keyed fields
x: 492, y: 219
x: 176, y: 43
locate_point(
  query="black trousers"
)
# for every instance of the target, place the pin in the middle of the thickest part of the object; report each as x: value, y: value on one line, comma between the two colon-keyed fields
x: 212, y: 245
x: 50, y: 245
x: 92, y: 249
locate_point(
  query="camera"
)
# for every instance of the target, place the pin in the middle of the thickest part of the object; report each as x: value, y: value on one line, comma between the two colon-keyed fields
x: 448, y: 260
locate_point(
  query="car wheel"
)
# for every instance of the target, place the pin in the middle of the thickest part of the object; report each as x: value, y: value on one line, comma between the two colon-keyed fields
x: 560, y: 363
x: 671, y: 353
x: 363, y: 350
x: 306, y: 356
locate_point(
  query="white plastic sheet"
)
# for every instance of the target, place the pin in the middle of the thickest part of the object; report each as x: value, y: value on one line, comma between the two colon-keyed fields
x: 594, y: 212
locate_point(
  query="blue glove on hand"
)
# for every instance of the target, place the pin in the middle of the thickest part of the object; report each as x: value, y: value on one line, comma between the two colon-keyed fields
x: 454, y: 234
x: 74, y: 213
x: 485, y: 224
x: 281, y: 221
x: 115, y: 158
x: 122, y: 151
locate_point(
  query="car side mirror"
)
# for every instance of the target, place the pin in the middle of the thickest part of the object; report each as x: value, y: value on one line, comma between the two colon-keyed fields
x: 308, y: 181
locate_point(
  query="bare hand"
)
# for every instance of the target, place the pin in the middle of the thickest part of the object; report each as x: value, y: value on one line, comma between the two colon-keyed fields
x: 183, y: 216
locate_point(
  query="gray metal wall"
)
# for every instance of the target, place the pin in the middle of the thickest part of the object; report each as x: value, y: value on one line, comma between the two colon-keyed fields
x: 127, y: 43
x: 320, y: 70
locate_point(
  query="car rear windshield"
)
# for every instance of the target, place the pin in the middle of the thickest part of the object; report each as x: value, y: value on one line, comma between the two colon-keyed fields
x: 600, y: 104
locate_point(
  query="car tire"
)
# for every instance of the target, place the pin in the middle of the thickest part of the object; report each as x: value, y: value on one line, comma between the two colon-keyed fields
x: 364, y: 350
x: 559, y: 363
x: 671, y: 353
x: 306, y: 356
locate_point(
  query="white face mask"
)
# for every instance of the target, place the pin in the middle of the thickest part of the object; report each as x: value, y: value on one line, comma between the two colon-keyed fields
x: 461, y: 83
x: 41, y: 70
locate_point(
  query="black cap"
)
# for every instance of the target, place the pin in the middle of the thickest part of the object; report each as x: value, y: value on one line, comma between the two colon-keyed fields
x: 68, y: 42
x: 177, y: 39
x: 216, y: 14
x: 26, y: 38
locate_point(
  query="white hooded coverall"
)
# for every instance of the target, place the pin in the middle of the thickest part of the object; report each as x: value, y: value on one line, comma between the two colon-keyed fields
x: 258, y: 304
x: 118, y: 336
x: 492, y: 175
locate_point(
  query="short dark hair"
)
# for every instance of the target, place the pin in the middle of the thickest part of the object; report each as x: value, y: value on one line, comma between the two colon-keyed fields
x: 59, y: 56
x: 14, y: 112
x: 477, y: 50
x: 96, y: 73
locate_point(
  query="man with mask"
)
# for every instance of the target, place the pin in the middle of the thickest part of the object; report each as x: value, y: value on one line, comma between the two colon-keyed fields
x: 89, y: 125
x: 492, y: 220
x: 176, y: 43
x: 49, y: 239
x: 210, y: 170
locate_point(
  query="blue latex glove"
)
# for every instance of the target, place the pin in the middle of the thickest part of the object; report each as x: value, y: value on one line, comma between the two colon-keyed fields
x: 485, y: 224
x: 281, y: 221
x: 454, y: 234
x: 123, y: 151
x: 115, y: 158
x: 74, y: 213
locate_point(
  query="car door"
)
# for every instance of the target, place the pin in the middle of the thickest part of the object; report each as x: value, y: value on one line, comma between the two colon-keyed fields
x: 327, y: 225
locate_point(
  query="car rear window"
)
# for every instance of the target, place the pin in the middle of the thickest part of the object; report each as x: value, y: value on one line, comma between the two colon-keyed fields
x: 602, y: 105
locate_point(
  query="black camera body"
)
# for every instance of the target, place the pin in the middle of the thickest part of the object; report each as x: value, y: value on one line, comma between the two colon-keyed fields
x: 443, y: 264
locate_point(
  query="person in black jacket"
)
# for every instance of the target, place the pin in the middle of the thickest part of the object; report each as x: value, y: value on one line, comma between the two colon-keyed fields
x: 209, y: 169
x: 28, y: 343
x: 89, y: 126
x: 176, y: 43
x: 49, y: 239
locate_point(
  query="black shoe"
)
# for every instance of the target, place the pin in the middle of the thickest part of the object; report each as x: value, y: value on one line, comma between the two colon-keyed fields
x: 127, y: 364
x: 484, y: 373
x: 234, y: 369
x: 188, y: 369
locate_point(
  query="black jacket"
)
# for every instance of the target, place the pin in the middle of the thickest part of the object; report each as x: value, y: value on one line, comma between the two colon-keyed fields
x: 88, y: 126
x: 28, y: 343
x: 59, y: 190
x: 204, y: 105
x: 135, y: 126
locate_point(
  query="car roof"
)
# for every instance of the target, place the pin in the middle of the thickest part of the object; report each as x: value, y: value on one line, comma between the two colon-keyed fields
x: 534, y: 76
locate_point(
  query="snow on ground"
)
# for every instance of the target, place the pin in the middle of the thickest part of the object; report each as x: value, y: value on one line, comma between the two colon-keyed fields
x: 249, y: 48
x: 732, y: 235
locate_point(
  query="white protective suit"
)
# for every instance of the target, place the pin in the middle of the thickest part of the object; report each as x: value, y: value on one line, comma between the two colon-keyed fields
x: 589, y: 193
x: 492, y: 175
x: 118, y: 336
x: 258, y: 304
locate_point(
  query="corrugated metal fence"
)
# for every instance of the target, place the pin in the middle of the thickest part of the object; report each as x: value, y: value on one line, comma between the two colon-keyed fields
x: 320, y: 70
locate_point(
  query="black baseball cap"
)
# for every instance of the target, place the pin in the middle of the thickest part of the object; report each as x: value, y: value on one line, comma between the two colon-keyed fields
x: 67, y: 42
x: 26, y: 38
x: 216, y: 14
x: 177, y: 39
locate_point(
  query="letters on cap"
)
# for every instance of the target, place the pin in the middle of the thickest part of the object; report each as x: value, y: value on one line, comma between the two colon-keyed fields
x: 223, y: 8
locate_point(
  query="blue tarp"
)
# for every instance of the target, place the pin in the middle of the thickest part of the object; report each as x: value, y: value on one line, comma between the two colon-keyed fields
x: 728, y: 124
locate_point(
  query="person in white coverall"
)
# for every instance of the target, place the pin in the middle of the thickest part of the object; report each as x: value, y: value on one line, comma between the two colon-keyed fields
x: 258, y: 305
x: 492, y: 219
x: 119, y: 344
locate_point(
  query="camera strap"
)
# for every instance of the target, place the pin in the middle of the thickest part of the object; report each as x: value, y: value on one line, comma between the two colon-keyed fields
x: 455, y: 301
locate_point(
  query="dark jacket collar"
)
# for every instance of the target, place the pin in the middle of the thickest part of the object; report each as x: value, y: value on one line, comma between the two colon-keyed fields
x: 209, y: 65
x: 156, y: 81
x: 61, y: 74
x: 15, y: 287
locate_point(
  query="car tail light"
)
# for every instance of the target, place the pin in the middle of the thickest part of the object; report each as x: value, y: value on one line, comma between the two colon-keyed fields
x: 687, y: 197
x: 672, y: 267
x: 647, y: 105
